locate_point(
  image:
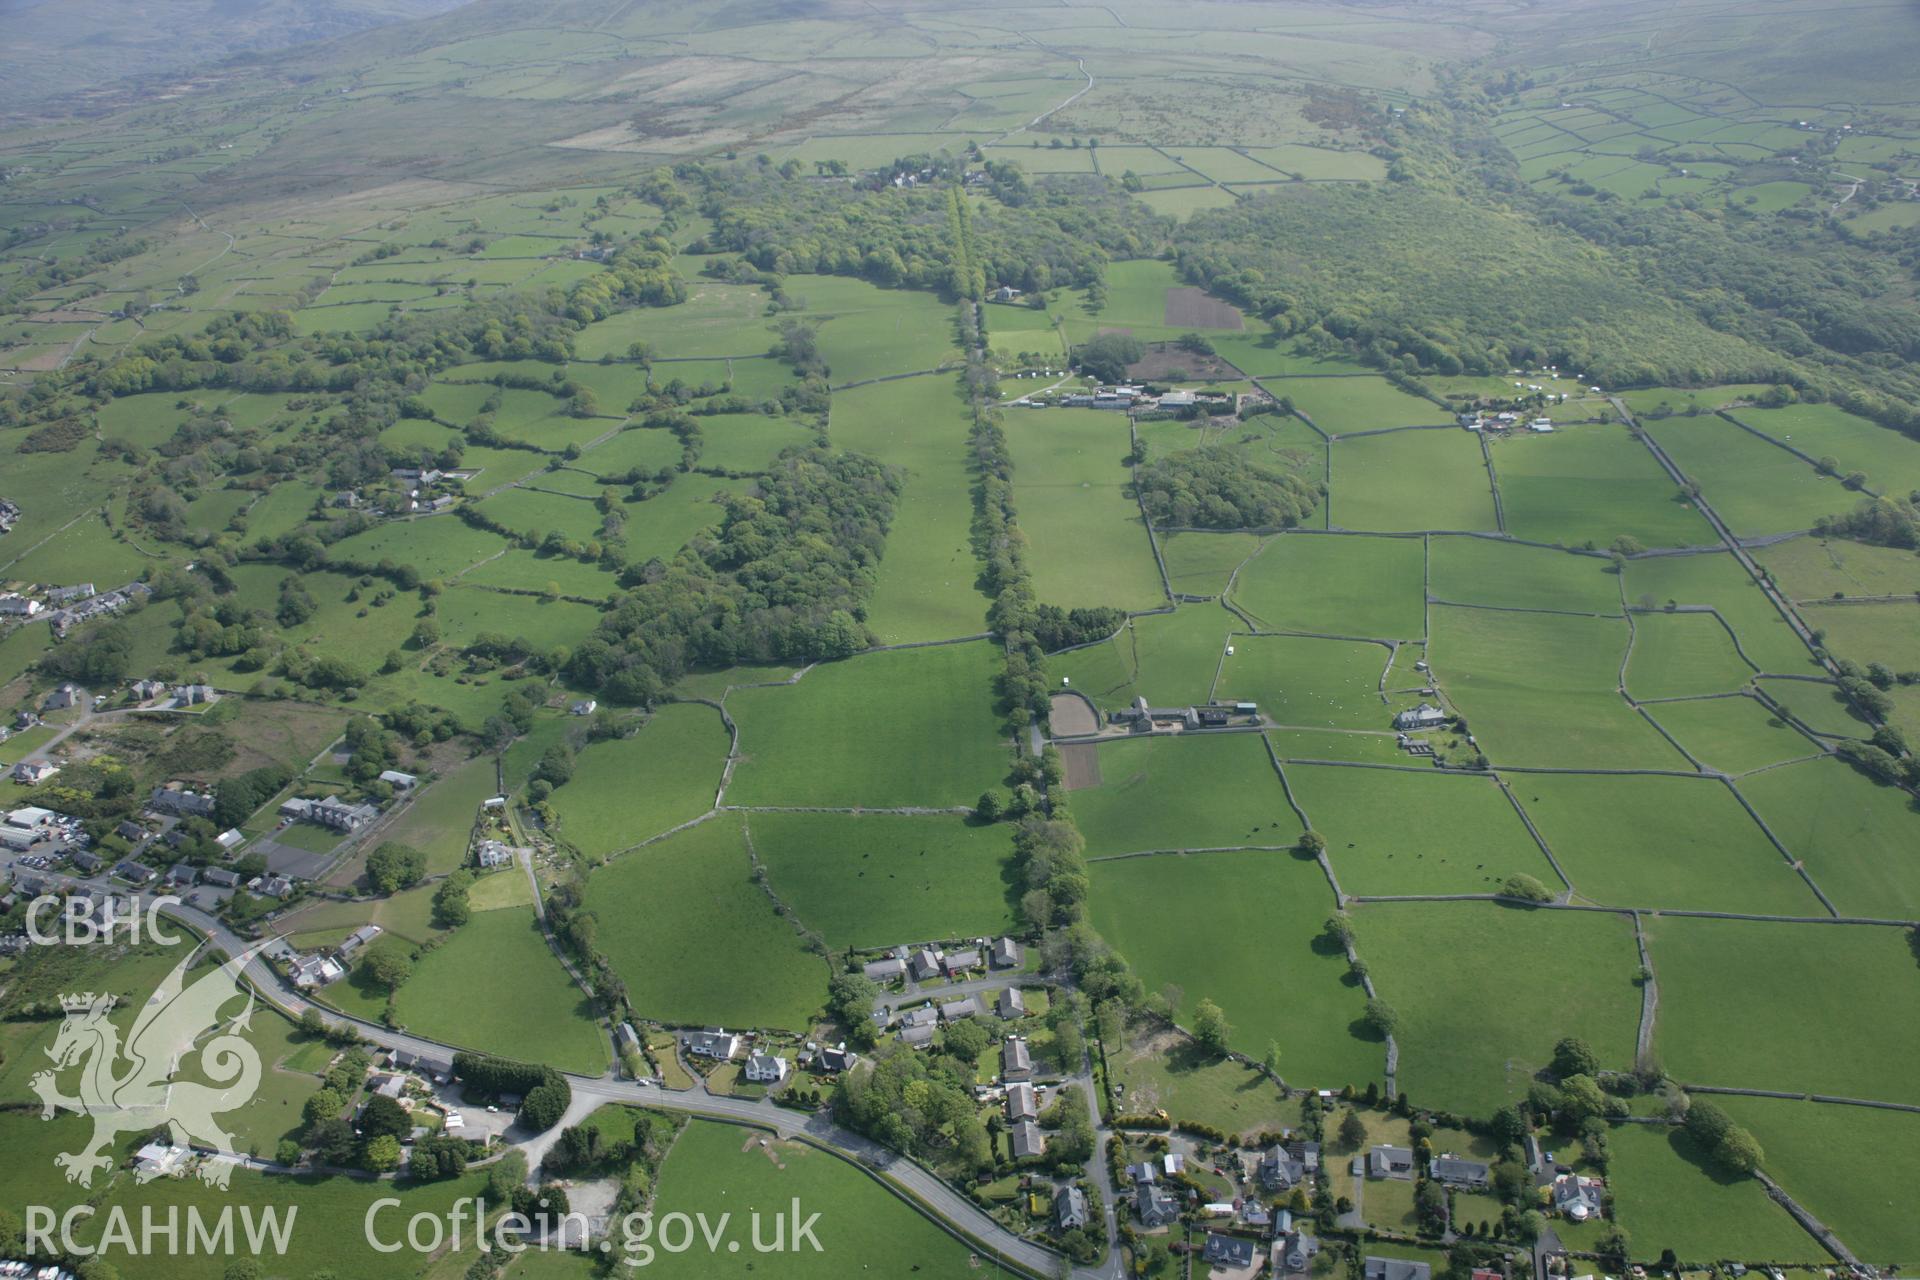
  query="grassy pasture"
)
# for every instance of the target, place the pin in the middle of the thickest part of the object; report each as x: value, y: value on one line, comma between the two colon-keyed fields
x: 1240, y: 929
x: 1193, y: 1085
x: 1169, y: 659
x: 1757, y: 487
x: 1890, y: 460
x: 875, y: 879
x: 532, y: 1011
x: 1669, y: 1194
x: 1200, y: 564
x: 1719, y: 581
x: 1592, y: 484
x: 716, y: 320
x: 1732, y: 735
x: 1819, y: 705
x: 1818, y: 568
x: 1397, y: 832
x: 1087, y: 542
x: 926, y: 587
x: 722, y: 1164
x: 673, y: 899
x: 440, y: 822
x: 531, y: 571
x: 1687, y: 844
x: 435, y: 545
x: 1337, y: 586
x: 1515, y: 576
x: 1813, y: 1150
x: 748, y: 441
x: 1474, y: 1029
x: 1410, y: 480
x: 1306, y: 682
x: 1540, y: 689
x: 1857, y: 838
x: 1183, y: 202
x: 869, y: 332
x: 625, y: 790
x: 1888, y: 633
x: 1182, y: 793
x: 1678, y: 655
x: 1340, y: 405
x: 909, y: 727
x: 1335, y: 744
x: 1797, y: 989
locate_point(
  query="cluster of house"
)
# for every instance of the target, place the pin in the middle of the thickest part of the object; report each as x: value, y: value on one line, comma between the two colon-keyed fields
x: 332, y: 813
x: 318, y: 968
x: 419, y: 483
x: 1123, y: 397
x: 1387, y: 1161
x: 67, y: 607
x: 720, y: 1045
x: 1476, y: 421
x: 1574, y: 1196
x: 1141, y: 718
x: 1415, y: 719
x: 929, y: 962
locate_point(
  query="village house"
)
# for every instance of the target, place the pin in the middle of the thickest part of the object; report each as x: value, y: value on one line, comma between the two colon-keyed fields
x: 1397, y: 1269
x: 836, y: 1057
x: 1070, y: 1209
x: 1011, y: 1004
x: 958, y: 962
x: 1007, y: 954
x: 1424, y: 716
x: 67, y: 695
x: 917, y: 1037
x: 15, y: 605
x: 1579, y: 1198
x: 333, y: 813
x: 1016, y: 1063
x: 1154, y: 1207
x: 312, y: 971
x: 966, y: 1007
x: 133, y: 873
x: 1293, y: 1251
x: 399, y: 781
x: 1280, y: 1169
x: 715, y: 1042
x: 1022, y: 1103
x: 585, y: 707
x: 766, y: 1068
x: 1236, y: 1252
x: 925, y: 1015
x: 493, y: 853
x: 1390, y: 1162
x: 220, y: 878
x: 1027, y: 1141
x: 885, y: 970
x: 194, y: 695
x: 34, y: 773
x: 926, y: 963
x: 1452, y: 1171
x: 625, y: 1039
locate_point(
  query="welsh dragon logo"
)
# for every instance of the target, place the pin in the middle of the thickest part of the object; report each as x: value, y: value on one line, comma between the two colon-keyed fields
x: 130, y: 1088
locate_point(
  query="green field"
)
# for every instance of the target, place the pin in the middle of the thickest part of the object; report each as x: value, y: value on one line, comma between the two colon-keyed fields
x: 1397, y: 832
x: 1407, y: 480
x: 674, y: 899
x: 869, y: 332
x: 1474, y: 1029
x: 1756, y: 487
x: 1308, y: 683
x: 1202, y: 792
x: 1169, y: 659
x: 1819, y: 705
x: 1200, y: 564
x: 1813, y: 1151
x: 1337, y: 586
x: 1511, y: 575
x: 1592, y: 484
x: 1667, y: 1192
x: 1087, y: 542
x: 1817, y: 568
x: 626, y: 790
x: 877, y: 879
x: 1343, y: 405
x: 1683, y: 655
x: 1159, y: 912
x: 532, y: 1010
x: 1795, y: 988
x: 1718, y: 581
x: 1732, y: 735
x: 1857, y: 838
x: 1686, y: 844
x: 925, y: 590
x: 858, y: 732
x: 1887, y: 633
x: 1890, y: 460
x: 440, y: 821
x: 1539, y: 689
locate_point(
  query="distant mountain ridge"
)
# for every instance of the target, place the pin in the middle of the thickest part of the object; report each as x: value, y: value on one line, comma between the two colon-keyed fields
x: 57, y: 55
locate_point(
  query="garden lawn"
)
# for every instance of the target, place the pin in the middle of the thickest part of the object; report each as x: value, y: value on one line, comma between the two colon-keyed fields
x: 1242, y: 930
x: 926, y: 588
x: 1407, y: 480
x: 872, y: 879
x: 1718, y: 580
x: 1683, y: 655
x: 1373, y: 587
x: 1309, y: 683
x: 1200, y: 792
x: 1592, y: 483
x: 1398, y: 832
x: 1169, y: 659
x: 697, y: 941
x: 1512, y: 575
x: 1483, y: 992
x: 907, y: 727
x: 1756, y: 487
x: 625, y: 790
x: 1813, y: 1151
x: 1087, y: 543
x: 1670, y: 1195
x: 723, y: 1165
x: 1860, y: 840
x: 530, y: 1011
x: 1539, y: 689
x: 1681, y: 843
x: 1733, y: 735
x: 1729, y: 988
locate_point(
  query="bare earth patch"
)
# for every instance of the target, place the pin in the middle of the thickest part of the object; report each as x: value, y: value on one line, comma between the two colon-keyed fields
x: 1082, y: 766
x: 1072, y: 715
x: 1169, y: 362
x: 1191, y: 308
